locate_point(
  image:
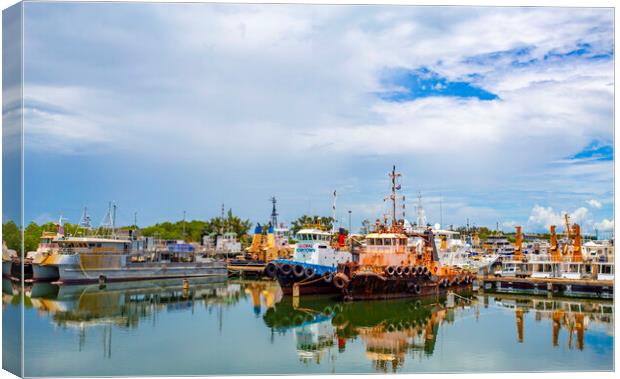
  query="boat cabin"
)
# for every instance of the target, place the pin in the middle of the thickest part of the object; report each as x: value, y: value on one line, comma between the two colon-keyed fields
x: 72, y: 245
x: 573, y: 270
x: 604, y: 270
x: 394, y: 243
x: 311, y: 243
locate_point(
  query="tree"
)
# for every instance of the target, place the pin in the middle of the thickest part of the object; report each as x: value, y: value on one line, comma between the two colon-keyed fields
x: 11, y: 235
x: 195, y: 229
x: 305, y: 220
x: 365, y: 227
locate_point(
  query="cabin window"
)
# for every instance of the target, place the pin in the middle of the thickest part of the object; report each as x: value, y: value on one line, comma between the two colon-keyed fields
x: 387, y: 242
x: 371, y: 242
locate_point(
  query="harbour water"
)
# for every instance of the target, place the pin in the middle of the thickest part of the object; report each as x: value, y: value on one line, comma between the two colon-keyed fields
x: 248, y: 327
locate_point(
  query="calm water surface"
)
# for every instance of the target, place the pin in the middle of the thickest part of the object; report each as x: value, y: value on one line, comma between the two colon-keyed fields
x: 246, y: 327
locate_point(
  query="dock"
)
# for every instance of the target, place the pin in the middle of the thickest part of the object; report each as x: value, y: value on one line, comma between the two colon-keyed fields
x: 551, y: 285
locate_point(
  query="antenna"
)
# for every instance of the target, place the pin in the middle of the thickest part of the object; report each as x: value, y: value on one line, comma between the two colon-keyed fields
x: 135, y: 219
x: 274, y: 213
x: 440, y: 212
x: 334, y: 213
x: 183, y: 224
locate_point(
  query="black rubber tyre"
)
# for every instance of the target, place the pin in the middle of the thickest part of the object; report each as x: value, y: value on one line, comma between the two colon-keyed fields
x: 299, y: 271
x: 286, y: 269
x: 271, y: 270
x: 310, y: 271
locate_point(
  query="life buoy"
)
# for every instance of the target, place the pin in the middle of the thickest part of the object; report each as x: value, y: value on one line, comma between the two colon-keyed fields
x: 390, y: 270
x: 406, y: 270
x: 435, y: 269
x: 271, y: 270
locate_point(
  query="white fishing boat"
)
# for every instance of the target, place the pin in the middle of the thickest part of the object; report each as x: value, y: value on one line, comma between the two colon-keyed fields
x: 48, y: 246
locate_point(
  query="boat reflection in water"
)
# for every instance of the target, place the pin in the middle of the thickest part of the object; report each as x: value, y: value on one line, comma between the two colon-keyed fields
x: 125, y: 305
x: 213, y: 320
x: 389, y: 329
x: 393, y: 330
x: 572, y: 315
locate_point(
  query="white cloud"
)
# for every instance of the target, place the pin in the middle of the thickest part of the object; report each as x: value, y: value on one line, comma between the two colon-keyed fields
x: 595, y: 203
x: 605, y: 225
x: 509, y: 224
x: 205, y: 83
x: 543, y: 217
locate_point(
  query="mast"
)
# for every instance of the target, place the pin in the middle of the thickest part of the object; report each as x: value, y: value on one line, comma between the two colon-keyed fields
x: 222, y: 220
x: 421, y: 217
x: 109, y: 220
x: 114, y: 220
x: 85, y: 220
x: 393, y: 175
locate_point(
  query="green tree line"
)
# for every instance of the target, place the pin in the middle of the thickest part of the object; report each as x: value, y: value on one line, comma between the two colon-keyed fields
x: 194, y: 229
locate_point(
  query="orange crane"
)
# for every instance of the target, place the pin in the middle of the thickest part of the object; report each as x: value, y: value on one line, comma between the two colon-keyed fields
x: 557, y: 321
x: 576, y: 256
x: 518, y: 245
x: 519, y: 314
x: 554, y: 249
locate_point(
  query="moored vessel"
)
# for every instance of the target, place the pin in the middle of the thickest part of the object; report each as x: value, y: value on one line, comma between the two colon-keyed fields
x: 8, y: 256
x: 97, y: 259
x: 398, y: 264
x: 315, y: 261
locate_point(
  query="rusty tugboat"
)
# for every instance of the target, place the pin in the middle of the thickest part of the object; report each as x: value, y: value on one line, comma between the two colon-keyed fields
x: 398, y: 263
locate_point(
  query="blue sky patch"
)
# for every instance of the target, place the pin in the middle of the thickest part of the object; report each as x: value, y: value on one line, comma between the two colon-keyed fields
x: 422, y: 82
x: 596, y: 151
x: 483, y: 59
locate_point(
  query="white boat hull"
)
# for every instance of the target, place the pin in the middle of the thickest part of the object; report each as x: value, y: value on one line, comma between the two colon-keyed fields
x: 71, y: 271
x: 44, y: 273
x: 7, y: 266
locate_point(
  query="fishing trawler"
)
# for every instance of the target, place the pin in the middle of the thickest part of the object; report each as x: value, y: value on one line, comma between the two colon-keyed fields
x: 123, y: 257
x: 390, y: 267
x: 100, y: 259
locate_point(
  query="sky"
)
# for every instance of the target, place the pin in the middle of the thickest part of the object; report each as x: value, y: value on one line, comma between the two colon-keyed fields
x: 499, y: 116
